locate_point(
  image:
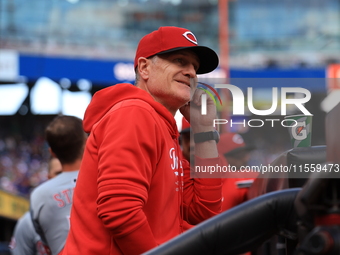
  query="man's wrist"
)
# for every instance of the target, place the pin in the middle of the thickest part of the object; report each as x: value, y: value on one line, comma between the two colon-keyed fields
x: 206, y: 136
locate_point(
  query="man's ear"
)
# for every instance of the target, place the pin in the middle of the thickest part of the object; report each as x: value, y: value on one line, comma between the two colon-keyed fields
x: 143, y: 70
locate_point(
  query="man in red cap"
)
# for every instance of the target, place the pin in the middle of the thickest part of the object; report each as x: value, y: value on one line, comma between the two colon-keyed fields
x: 134, y: 190
x: 236, y: 154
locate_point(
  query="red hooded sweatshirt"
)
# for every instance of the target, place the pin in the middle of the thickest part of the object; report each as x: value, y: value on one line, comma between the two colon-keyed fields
x: 131, y: 194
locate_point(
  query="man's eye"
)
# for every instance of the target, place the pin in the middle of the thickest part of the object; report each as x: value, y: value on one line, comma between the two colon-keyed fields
x: 179, y: 60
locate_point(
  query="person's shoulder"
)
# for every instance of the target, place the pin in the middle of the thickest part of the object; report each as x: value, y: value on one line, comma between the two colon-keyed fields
x: 25, y: 222
x: 45, y: 188
x: 24, y: 217
x: 130, y: 108
x: 61, y: 178
x: 65, y: 176
x: 136, y: 102
x: 24, y: 229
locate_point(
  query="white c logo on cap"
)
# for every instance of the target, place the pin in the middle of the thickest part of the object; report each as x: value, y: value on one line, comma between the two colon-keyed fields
x: 188, y: 38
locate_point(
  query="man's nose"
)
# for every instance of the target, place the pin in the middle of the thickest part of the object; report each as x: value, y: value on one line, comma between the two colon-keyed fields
x: 190, y: 71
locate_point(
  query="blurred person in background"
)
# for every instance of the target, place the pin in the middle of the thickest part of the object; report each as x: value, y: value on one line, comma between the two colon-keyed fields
x: 134, y: 190
x: 25, y: 240
x: 187, y: 144
x: 236, y: 154
x: 50, y: 202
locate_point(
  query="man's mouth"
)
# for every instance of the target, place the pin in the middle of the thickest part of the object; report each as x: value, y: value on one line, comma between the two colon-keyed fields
x: 184, y: 82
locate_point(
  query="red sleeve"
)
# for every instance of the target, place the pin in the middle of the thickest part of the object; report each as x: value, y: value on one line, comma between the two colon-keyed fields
x: 125, y: 145
x: 202, y: 196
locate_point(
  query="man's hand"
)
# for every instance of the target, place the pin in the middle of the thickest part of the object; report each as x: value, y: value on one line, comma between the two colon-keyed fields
x: 201, y: 123
x: 192, y: 112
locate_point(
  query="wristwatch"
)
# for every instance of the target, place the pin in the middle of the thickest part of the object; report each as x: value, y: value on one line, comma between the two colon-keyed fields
x: 206, y: 136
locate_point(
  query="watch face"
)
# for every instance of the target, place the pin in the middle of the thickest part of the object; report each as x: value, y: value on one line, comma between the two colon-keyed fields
x: 216, y: 136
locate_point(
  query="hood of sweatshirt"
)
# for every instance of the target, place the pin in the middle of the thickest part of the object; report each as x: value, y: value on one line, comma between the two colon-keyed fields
x: 103, y: 100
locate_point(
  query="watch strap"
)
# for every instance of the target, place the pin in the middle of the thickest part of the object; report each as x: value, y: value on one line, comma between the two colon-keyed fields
x: 206, y: 136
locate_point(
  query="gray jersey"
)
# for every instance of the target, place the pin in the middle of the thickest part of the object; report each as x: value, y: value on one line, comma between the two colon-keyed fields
x: 50, y: 209
x: 25, y: 239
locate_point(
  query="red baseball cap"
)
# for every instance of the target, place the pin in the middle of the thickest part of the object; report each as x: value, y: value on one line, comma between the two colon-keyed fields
x: 232, y: 143
x: 169, y: 39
